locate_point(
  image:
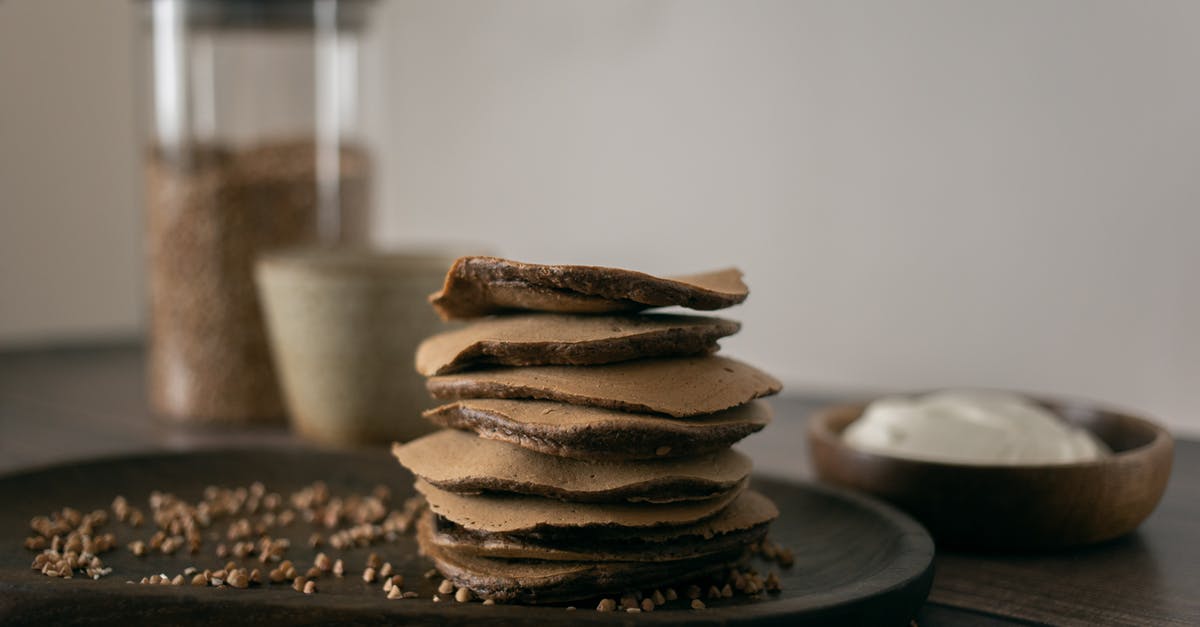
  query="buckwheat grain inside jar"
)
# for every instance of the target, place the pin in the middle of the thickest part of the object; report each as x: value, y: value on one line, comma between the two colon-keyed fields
x: 256, y: 143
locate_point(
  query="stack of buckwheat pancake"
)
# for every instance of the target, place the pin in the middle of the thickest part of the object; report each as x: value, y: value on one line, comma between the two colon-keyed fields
x: 588, y: 445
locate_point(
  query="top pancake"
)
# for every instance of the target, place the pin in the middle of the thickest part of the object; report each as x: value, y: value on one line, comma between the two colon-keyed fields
x: 558, y: 339
x: 478, y: 286
x: 675, y: 387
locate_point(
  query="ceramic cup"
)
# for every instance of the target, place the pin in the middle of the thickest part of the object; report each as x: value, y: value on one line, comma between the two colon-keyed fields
x: 344, y: 326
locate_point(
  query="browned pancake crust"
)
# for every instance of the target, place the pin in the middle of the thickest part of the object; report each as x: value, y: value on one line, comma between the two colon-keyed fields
x: 516, y: 513
x: 557, y: 339
x: 610, y: 436
x: 679, y: 387
x: 498, y: 546
x: 552, y: 582
x: 478, y: 286
x: 741, y: 523
x: 459, y: 462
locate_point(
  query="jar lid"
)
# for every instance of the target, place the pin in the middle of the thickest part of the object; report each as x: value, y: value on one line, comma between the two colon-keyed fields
x: 265, y: 14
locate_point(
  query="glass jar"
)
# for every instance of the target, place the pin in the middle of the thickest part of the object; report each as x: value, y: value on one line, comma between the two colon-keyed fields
x: 256, y: 143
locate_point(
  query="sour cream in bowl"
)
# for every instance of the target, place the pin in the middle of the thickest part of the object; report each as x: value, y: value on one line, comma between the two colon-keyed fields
x: 998, y: 470
x: 971, y: 427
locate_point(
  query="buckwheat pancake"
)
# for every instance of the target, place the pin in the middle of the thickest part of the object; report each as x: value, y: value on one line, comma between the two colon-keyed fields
x: 493, y: 513
x: 550, y: 582
x: 679, y: 387
x: 741, y: 524
x: 477, y: 286
x: 459, y: 462
x: 583, y: 432
x: 558, y: 339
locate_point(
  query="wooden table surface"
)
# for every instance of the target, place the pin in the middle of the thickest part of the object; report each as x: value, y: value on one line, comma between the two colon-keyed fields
x: 62, y: 404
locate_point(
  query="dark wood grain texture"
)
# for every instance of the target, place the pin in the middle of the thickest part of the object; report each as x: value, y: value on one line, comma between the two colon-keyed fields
x: 858, y: 562
x: 66, y: 403
x: 1011, y: 507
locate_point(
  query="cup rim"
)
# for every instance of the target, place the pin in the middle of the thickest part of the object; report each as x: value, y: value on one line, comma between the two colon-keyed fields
x: 360, y: 260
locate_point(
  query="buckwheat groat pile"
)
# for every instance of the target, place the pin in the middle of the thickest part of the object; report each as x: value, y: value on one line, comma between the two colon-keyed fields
x: 588, y: 444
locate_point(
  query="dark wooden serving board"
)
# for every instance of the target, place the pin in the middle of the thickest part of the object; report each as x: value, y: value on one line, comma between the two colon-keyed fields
x: 857, y: 561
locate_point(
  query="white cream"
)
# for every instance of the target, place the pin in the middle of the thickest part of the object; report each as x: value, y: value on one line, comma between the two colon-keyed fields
x: 971, y: 427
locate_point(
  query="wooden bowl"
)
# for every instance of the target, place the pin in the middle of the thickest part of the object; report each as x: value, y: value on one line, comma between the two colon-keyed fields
x: 1005, y: 507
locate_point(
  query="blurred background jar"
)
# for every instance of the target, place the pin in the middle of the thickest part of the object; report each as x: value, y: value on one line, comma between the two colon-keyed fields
x: 256, y: 143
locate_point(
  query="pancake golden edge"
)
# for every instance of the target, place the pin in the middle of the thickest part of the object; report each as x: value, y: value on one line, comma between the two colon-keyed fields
x: 459, y: 462
x: 679, y: 387
x: 595, y: 433
x: 558, y: 339
x: 526, y: 514
x: 477, y: 286
x: 743, y: 522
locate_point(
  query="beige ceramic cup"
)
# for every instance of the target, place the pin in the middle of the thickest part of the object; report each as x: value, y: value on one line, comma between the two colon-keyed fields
x: 344, y: 326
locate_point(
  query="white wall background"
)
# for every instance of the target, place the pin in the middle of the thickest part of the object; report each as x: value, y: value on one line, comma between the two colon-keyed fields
x: 922, y: 193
